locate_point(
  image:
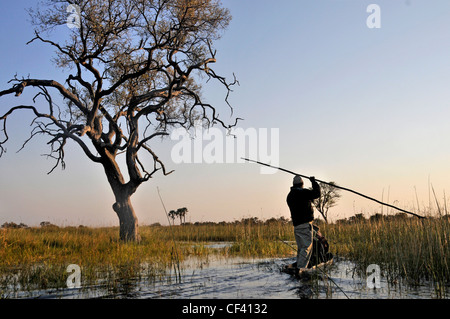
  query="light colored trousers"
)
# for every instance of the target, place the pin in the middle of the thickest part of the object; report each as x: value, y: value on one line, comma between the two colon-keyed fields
x: 304, y: 238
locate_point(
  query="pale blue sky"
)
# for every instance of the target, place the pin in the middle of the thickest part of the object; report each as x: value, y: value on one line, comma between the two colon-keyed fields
x: 366, y: 108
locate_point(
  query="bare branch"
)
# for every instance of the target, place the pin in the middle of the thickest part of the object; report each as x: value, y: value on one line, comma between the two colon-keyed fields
x: 18, y: 89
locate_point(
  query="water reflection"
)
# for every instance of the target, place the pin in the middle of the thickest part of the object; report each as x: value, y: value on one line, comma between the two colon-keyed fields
x: 220, y: 277
x: 223, y: 277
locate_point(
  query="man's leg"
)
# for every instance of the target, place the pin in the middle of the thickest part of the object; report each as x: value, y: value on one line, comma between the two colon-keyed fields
x: 304, y: 239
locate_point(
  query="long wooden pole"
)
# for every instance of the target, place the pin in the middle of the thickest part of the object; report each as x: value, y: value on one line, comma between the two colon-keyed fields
x: 337, y: 186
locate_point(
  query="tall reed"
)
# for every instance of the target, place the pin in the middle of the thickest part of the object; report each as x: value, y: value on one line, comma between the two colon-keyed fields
x: 407, y: 249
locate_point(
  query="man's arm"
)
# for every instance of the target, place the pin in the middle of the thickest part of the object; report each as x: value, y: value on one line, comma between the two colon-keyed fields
x: 315, y: 188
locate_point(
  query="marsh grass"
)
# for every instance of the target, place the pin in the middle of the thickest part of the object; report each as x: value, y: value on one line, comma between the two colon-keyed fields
x: 37, y: 258
x: 251, y: 238
x: 408, y: 250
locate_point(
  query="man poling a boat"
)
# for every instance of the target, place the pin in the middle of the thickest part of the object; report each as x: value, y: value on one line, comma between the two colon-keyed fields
x: 299, y: 201
x: 321, y: 249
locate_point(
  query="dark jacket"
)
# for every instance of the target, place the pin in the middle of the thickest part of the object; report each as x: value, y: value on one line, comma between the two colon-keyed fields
x: 299, y: 202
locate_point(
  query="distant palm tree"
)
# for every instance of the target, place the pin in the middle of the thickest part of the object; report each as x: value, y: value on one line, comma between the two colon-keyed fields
x: 181, y: 212
x: 173, y: 214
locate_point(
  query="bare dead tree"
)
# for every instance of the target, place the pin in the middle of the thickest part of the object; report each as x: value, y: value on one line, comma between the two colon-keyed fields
x: 329, y: 195
x: 135, y: 70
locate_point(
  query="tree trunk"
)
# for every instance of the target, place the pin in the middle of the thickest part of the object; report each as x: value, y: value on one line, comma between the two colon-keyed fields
x: 127, y: 219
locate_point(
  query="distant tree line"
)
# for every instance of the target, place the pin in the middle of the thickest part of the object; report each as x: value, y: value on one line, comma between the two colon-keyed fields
x: 14, y: 225
x: 244, y: 221
x: 358, y: 218
x: 44, y: 224
x: 181, y: 214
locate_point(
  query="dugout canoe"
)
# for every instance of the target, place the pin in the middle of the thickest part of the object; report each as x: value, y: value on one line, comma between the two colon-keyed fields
x: 308, y: 272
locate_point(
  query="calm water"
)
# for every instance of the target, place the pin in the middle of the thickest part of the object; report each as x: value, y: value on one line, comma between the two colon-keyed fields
x: 244, y: 278
x: 220, y: 277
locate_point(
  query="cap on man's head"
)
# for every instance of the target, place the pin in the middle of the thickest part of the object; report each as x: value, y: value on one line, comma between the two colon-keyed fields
x: 297, y: 180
